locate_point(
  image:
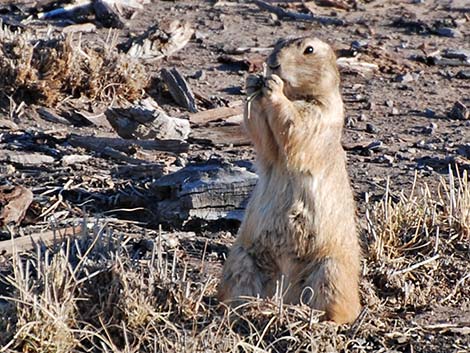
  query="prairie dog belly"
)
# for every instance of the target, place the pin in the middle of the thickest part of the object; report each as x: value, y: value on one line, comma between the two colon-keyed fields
x: 280, y: 216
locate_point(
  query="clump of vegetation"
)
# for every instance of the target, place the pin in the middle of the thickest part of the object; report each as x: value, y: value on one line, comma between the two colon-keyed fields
x: 102, y: 293
x: 48, y: 70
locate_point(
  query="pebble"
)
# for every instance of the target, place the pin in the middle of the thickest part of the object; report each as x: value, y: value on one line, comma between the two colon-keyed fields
x: 429, y: 113
x: 463, y: 74
x: 199, y: 75
x: 459, y: 111
x: 426, y: 146
x: 461, y: 54
x: 375, y: 146
x: 351, y: 121
x: 386, y: 158
x: 359, y: 44
x: 408, y: 77
x: 449, y: 32
x: 430, y: 129
x: 362, y: 117
x: 372, y: 129
x: 464, y: 150
x: 389, y: 103
x: 395, y: 111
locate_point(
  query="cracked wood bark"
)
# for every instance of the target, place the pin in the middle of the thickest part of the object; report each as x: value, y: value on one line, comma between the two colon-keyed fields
x: 210, y: 192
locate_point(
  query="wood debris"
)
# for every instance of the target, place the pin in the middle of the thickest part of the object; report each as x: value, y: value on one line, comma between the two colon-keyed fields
x: 179, y: 89
x: 281, y: 13
x: 81, y: 27
x: 354, y: 65
x: 108, y: 12
x: 227, y: 135
x: 99, y: 142
x: 210, y: 191
x: 147, y: 121
x: 25, y: 158
x: 159, y: 41
x: 14, y: 202
x: 215, y: 114
x: 42, y: 239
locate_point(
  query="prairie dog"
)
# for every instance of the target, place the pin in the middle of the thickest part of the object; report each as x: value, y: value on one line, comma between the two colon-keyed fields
x: 300, y: 221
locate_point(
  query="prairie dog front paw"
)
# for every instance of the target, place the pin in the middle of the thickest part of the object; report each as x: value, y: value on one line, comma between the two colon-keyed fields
x: 273, y: 86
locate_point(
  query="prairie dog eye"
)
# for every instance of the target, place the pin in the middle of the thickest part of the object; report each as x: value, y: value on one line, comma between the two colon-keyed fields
x: 308, y: 50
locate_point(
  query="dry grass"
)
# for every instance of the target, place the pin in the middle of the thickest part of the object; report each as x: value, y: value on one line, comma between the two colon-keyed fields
x: 50, y: 69
x: 101, y: 293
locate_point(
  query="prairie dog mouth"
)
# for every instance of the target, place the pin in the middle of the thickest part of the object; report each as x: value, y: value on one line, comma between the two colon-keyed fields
x: 274, y: 66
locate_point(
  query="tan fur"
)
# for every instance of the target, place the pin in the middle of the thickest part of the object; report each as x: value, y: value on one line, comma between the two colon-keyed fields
x: 300, y: 220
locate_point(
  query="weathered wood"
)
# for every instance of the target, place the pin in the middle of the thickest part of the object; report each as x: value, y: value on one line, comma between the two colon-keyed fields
x: 160, y: 40
x: 107, y: 13
x: 68, y: 10
x: 25, y: 158
x: 14, y: 202
x: 28, y: 242
x: 215, y: 114
x: 145, y: 121
x: 179, y: 89
x: 281, y: 13
x: 222, y: 135
x: 73, y: 159
x: 209, y: 192
x: 51, y: 116
x: 100, y: 142
x: 80, y: 27
x: 354, y: 65
x: 8, y: 124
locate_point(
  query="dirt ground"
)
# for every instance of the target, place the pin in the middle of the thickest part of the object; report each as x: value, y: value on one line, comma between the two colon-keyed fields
x: 398, y: 125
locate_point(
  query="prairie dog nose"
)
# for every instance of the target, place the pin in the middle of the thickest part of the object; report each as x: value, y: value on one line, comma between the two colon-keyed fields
x: 273, y: 62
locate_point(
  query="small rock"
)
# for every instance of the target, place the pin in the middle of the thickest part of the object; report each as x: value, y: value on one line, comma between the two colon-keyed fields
x: 429, y: 113
x: 463, y: 74
x: 375, y: 146
x: 461, y: 54
x: 199, y: 75
x: 426, y: 146
x: 386, y: 159
x: 430, y: 129
x: 408, y: 77
x: 372, y: 129
x: 389, y: 103
x: 395, y: 111
x: 464, y: 150
x: 362, y: 117
x: 351, y: 121
x: 459, y: 111
x: 448, y: 32
x: 359, y: 44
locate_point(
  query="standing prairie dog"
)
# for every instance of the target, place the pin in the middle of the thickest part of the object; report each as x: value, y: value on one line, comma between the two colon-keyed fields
x: 299, y: 225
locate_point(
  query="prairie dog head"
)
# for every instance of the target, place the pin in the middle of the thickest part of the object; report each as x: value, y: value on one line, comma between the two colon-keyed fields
x: 306, y: 65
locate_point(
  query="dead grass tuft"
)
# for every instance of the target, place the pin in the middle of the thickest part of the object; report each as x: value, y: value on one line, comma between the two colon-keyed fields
x: 50, y: 69
x: 417, y: 241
